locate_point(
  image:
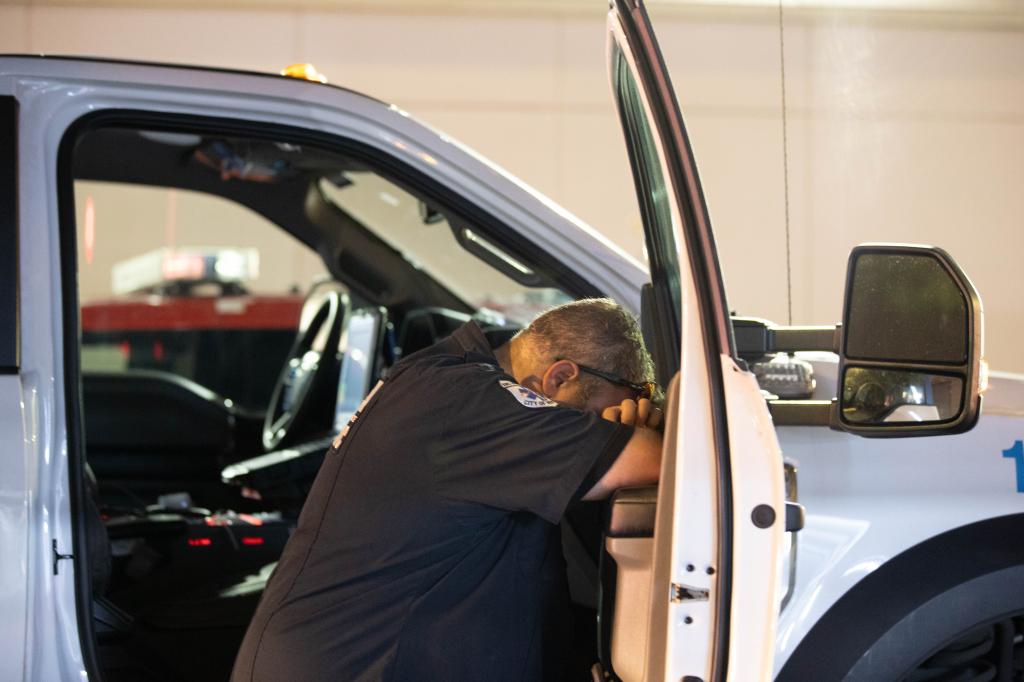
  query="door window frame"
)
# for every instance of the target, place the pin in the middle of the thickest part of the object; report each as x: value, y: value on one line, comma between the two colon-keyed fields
x: 388, y: 166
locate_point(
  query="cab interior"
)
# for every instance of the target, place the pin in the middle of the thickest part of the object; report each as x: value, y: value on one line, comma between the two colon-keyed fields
x: 187, y: 494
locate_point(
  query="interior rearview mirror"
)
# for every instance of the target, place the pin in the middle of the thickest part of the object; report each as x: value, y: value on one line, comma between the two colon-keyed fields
x: 911, y: 341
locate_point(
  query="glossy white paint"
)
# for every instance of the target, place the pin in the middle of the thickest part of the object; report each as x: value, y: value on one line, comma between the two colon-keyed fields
x: 15, y: 455
x: 757, y: 479
x: 867, y: 500
x: 51, y: 646
x: 687, y: 519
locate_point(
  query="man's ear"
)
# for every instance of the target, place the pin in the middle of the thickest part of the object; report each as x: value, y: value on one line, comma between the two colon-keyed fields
x: 556, y: 375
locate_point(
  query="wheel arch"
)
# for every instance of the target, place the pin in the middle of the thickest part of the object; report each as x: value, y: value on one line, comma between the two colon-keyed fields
x: 918, y: 600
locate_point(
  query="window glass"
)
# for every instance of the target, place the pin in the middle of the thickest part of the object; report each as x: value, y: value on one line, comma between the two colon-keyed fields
x: 200, y: 285
x: 652, y: 188
x: 187, y: 283
x: 425, y: 237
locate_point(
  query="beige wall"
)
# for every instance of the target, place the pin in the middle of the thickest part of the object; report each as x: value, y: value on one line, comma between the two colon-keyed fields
x: 902, y: 127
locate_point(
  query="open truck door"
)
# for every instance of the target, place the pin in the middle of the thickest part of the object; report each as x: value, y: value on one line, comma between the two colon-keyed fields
x: 691, y: 570
x: 690, y: 574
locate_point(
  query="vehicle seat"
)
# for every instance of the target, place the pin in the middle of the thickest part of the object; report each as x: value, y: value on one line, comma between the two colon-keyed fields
x: 207, y: 621
x: 148, y: 433
x: 424, y: 327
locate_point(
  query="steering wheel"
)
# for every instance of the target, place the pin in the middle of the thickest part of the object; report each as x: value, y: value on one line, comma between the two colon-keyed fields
x: 304, y: 393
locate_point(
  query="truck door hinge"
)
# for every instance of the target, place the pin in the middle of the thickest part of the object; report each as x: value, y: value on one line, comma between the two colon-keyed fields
x: 57, y: 556
x: 680, y: 593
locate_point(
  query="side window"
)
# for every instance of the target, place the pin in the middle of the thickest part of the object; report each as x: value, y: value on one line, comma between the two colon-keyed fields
x: 279, y: 276
x: 653, y: 192
x: 187, y: 283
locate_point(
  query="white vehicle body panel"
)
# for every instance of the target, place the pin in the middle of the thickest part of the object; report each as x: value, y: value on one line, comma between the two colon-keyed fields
x: 757, y: 479
x: 685, y: 533
x: 868, y: 500
x: 16, y: 421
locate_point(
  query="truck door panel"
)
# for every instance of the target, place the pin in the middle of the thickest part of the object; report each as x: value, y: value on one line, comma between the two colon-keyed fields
x: 712, y: 607
x: 627, y: 555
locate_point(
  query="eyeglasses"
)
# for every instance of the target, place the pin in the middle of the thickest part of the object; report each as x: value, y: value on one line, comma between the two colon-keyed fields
x: 644, y: 390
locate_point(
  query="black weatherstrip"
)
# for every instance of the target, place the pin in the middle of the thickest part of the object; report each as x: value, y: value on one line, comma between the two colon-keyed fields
x: 10, y: 327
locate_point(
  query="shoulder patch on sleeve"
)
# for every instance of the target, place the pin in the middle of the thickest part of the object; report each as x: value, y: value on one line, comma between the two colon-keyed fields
x: 525, y: 396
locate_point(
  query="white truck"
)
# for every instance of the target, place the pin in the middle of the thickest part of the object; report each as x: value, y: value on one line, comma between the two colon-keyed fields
x: 792, y: 537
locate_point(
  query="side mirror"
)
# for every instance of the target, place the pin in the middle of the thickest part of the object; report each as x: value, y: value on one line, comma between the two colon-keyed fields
x: 910, y: 347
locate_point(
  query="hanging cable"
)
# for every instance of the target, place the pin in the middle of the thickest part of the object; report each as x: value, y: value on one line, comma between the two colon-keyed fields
x: 785, y: 165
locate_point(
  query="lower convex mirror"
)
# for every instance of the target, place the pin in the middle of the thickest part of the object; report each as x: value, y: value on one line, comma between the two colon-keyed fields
x: 893, y: 397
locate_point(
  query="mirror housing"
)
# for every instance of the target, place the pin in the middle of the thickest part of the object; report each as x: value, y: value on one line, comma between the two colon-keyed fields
x: 909, y: 346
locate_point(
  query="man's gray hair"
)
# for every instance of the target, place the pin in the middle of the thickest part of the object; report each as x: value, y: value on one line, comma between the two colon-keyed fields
x: 596, y: 332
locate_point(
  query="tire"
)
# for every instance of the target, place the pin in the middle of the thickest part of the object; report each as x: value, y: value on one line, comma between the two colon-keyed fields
x: 959, y: 636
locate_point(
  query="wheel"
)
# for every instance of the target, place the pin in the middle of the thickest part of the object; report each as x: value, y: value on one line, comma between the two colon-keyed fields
x: 303, y: 395
x: 994, y: 651
x: 941, y: 610
x: 971, y: 632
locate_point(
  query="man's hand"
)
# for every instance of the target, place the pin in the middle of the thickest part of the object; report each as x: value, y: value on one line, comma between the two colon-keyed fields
x: 640, y: 413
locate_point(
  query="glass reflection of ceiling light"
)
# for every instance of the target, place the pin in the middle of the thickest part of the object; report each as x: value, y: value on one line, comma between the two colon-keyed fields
x: 494, y: 250
x: 172, y: 139
x: 388, y: 199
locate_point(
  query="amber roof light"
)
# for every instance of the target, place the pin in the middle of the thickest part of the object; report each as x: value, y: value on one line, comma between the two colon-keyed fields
x: 306, y: 72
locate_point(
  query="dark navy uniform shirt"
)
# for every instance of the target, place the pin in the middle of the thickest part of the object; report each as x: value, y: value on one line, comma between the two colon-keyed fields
x: 427, y: 548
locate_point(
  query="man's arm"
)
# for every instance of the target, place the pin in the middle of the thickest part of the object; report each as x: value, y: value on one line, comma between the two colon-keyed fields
x: 639, y: 463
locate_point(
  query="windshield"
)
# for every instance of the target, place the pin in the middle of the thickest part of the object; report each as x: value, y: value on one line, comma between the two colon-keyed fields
x: 425, y: 238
